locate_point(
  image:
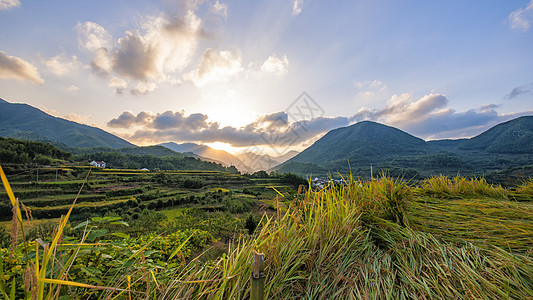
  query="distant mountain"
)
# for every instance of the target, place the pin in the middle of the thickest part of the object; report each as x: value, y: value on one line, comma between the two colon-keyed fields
x: 358, y: 147
x: 515, y: 136
x: 264, y: 162
x: 248, y: 162
x: 26, y: 122
x: 204, y: 151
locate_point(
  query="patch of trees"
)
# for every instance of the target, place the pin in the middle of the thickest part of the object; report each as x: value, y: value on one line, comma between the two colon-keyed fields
x: 29, y: 152
x: 131, y: 161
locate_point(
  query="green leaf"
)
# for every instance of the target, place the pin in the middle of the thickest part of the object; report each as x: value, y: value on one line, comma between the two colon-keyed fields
x: 13, y: 286
x: 122, y: 235
x: 91, y: 271
x: 96, y: 234
x: 83, y: 224
x: 111, y: 219
x: 120, y: 223
x: 180, y: 246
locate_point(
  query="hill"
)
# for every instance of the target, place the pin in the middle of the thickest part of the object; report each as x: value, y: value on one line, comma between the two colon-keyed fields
x: 357, y: 147
x: 355, y: 142
x: 22, y: 121
x: 515, y: 136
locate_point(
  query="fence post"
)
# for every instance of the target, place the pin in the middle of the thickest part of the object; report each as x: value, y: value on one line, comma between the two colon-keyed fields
x: 258, y: 276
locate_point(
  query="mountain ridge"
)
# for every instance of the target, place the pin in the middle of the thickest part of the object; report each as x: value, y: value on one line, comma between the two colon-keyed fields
x: 38, y: 125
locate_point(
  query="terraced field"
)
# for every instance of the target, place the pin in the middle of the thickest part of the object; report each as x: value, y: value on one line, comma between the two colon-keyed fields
x: 128, y: 191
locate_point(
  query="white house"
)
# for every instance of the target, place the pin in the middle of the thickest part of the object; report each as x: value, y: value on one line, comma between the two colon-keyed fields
x: 98, y: 164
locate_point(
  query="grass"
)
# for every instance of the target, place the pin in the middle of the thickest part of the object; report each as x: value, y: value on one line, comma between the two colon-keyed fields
x: 377, y: 239
x: 484, y: 222
x: 350, y: 243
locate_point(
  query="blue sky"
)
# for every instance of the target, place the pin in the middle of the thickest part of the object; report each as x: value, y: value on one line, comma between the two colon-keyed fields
x: 230, y: 73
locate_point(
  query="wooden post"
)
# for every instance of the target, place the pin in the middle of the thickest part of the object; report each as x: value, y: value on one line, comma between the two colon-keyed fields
x: 258, y: 276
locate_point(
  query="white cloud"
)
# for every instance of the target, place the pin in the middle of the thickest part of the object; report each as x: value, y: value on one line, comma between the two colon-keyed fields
x: 145, y: 57
x: 220, y: 9
x: 102, y: 62
x: 275, y: 66
x: 61, y: 64
x: 144, y: 88
x: 119, y: 84
x: 9, y: 4
x: 297, y: 6
x: 370, y: 90
x: 215, y: 66
x: 82, y: 119
x: 73, y: 88
x: 520, y: 19
x: 93, y: 36
x: 13, y: 67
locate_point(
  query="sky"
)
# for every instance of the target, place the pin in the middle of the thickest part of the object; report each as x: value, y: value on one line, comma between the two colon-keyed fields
x: 269, y: 76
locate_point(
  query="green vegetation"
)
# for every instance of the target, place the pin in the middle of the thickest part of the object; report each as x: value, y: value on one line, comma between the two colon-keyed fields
x: 376, y: 239
x: 14, y: 151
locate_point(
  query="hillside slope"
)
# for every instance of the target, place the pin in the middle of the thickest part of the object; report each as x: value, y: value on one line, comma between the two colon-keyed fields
x: 26, y: 122
x: 515, y: 136
x: 359, y: 142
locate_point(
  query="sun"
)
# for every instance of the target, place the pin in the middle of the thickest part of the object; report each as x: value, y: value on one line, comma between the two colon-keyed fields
x: 227, y: 107
x: 223, y: 146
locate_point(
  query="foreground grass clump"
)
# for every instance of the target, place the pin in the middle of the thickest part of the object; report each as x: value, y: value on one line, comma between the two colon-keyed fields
x: 458, y: 186
x: 356, y: 241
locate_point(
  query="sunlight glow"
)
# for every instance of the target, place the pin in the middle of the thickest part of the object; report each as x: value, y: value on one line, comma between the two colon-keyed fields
x: 223, y: 146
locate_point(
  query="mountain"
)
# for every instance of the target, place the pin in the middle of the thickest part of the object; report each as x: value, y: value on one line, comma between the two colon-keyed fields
x: 26, y: 122
x: 257, y: 162
x: 220, y: 156
x: 358, y: 147
x: 515, y: 136
x: 359, y: 141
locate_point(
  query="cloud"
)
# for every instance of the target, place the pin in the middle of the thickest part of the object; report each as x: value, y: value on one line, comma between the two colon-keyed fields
x: 297, y: 6
x: 430, y: 118
x: 82, y: 119
x: 520, y: 19
x: 9, y: 4
x: 12, y: 67
x: 519, y: 90
x: 73, y: 88
x: 127, y: 119
x: 220, y: 9
x: 275, y: 66
x: 215, y: 66
x: 272, y: 130
x: 92, y: 36
x: 61, y: 65
x: 147, y: 56
x: 370, y: 89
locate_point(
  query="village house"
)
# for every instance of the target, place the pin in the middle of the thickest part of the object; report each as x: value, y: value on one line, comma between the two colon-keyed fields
x: 98, y: 164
